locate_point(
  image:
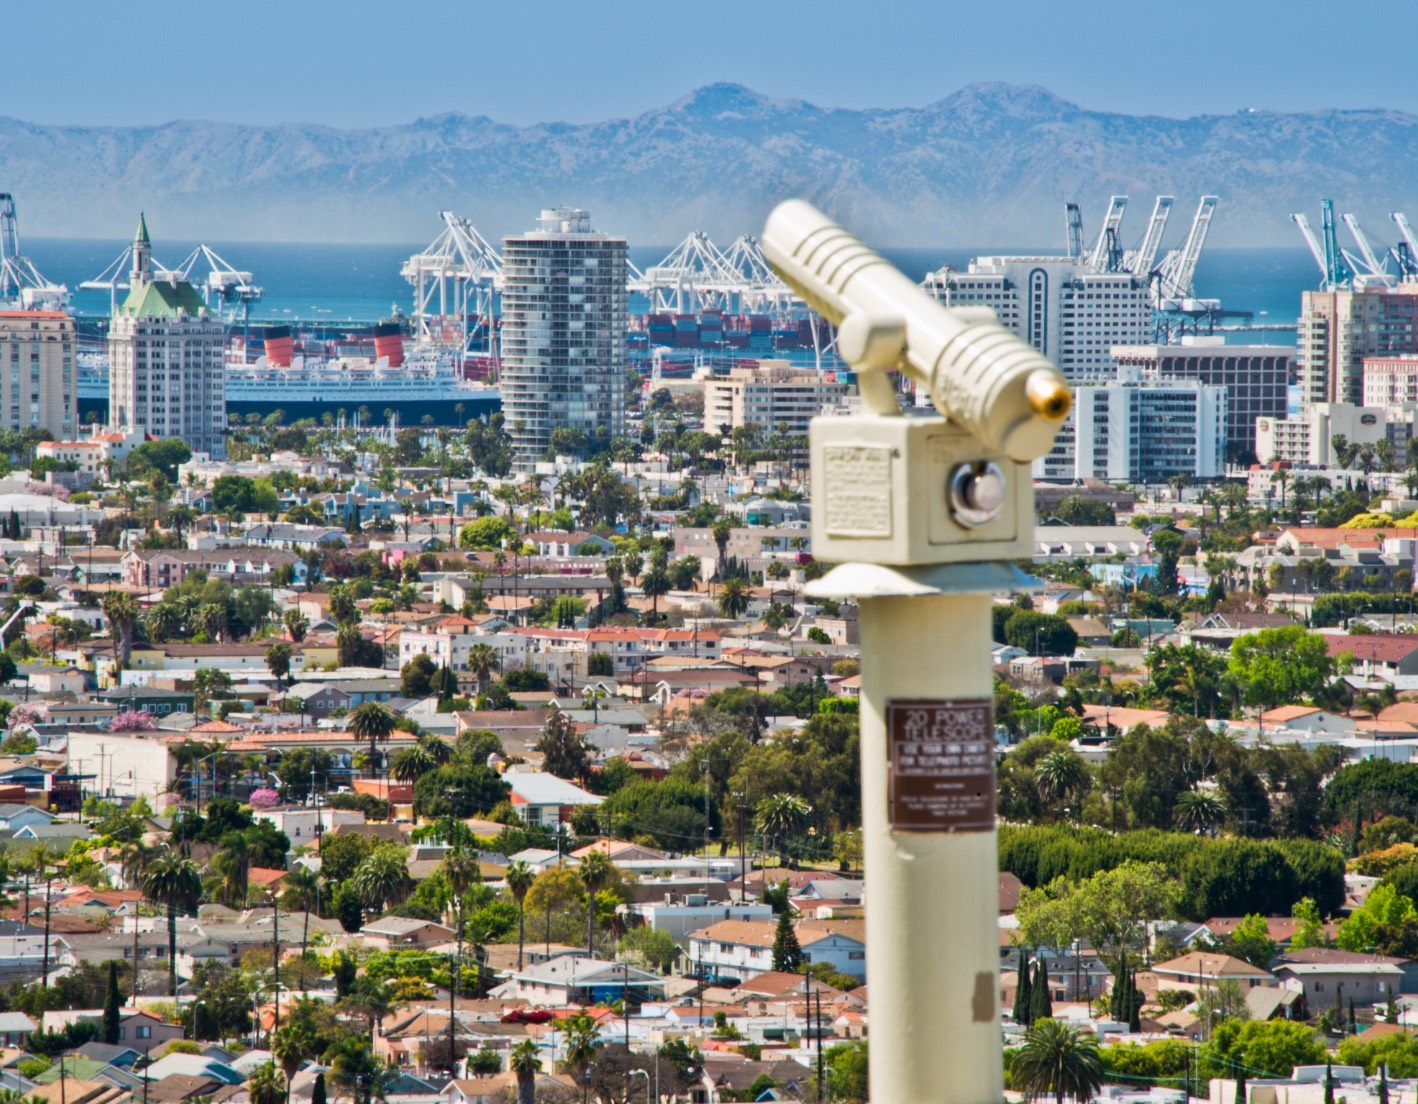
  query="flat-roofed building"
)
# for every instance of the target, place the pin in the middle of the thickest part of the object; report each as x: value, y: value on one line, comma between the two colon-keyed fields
x: 775, y: 397
x: 37, y: 371
x: 1255, y: 378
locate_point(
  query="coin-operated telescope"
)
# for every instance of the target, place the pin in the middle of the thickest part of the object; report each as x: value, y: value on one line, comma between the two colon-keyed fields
x: 904, y: 491
x: 925, y: 516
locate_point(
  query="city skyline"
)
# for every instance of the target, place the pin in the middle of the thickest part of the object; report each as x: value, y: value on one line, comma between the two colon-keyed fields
x: 297, y: 65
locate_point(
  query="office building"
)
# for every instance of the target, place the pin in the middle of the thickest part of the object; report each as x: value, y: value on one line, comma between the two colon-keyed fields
x: 1146, y: 431
x: 166, y: 375
x: 774, y: 396
x: 563, y: 333
x: 1255, y: 378
x: 37, y: 371
x: 1339, y: 329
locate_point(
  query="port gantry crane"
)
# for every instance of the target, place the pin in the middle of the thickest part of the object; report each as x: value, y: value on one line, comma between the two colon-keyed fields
x: 1178, y: 268
x: 1341, y: 268
x: 20, y: 282
x: 1140, y: 263
x: 1107, y: 255
x: 462, y: 273
x: 1405, y: 253
x: 1073, y: 229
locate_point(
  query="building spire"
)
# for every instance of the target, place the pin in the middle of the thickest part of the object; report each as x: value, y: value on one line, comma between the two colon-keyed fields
x: 142, y: 253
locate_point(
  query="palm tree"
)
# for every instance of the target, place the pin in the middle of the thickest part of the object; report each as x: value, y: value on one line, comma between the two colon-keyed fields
x: 300, y: 889
x: 162, y: 622
x: 354, y: 1070
x: 297, y: 625
x: 412, y: 763
x: 173, y: 882
x: 233, y: 863
x: 1060, y: 774
x: 293, y: 1042
x: 655, y: 584
x: 1058, y: 1059
x: 347, y: 640
x: 733, y: 598
x: 371, y: 721
x: 122, y: 613
x: 383, y: 879
x: 519, y: 879
x: 595, y: 871
x: 526, y: 1063
x: 212, y: 618
x: 779, y: 817
x: 265, y: 1085
x: 278, y: 657
x: 482, y: 658
x: 1198, y: 811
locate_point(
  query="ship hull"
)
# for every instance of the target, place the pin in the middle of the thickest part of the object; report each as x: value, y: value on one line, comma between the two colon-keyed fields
x: 411, y: 411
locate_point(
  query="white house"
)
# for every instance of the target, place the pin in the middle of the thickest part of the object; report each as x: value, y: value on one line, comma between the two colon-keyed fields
x: 737, y: 948
x: 542, y: 798
x: 299, y: 822
x: 572, y: 979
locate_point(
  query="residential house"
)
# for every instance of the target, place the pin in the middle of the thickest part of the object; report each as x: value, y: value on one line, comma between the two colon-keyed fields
x: 735, y: 948
x: 570, y: 979
x: 542, y: 798
x: 400, y: 932
x: 1199, y: 969
x: 1330, y: 978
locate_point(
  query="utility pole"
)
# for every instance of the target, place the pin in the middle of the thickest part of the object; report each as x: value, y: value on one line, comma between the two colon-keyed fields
x: 926, y: 517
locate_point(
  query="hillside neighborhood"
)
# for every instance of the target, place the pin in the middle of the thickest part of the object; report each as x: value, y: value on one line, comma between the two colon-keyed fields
x: 356, y: 767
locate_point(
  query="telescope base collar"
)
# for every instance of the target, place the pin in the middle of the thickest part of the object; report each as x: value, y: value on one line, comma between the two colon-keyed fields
x: 855, y: 581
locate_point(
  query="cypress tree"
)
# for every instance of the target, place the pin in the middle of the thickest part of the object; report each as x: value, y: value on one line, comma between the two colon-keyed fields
x: 1021, y: 990
x: 787, y: 951
x: 1040, y: 1006
x: 1241, y: 1087
x: 1328, y: 1083
x: 1383, y: 1083
x: 317, y: 1094
x: 1117, y: 1005
x: 1134, y: 1003
x: 111, y: 1005
x: 1353, y: 1023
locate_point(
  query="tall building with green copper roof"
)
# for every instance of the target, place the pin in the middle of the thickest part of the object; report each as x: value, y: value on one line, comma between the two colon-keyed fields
x: 166, y: 374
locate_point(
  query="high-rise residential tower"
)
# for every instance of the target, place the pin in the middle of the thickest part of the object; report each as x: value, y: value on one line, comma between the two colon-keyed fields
x: 165, y: 358
x: 563, y: 332
x: 1338, y: 329
x: 37, y: 371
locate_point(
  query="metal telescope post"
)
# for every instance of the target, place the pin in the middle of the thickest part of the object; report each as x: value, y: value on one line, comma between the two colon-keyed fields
x: 925, y: 517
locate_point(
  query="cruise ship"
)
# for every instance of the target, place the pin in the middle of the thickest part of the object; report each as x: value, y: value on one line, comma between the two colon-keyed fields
x: 349, y: 383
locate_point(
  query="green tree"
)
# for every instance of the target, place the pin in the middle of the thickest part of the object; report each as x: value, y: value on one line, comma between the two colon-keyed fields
x: 787, y: 951
x: 1022, y: 997
x: 265, y: 1085
x: 233, y: 863
x: 278, y: 660
x: 1309, y: 927
x: 383, y: 878
x: 112, y: 1005
x: 733, y: 598
x: 173, y: 882
x: 371, y: 721
x: 1041, y: 1005
x: 1270, y: 1047
x: 486, y: 533
x: 1109, y: 909
x: 526, y: 1062
x: 519, y: 879
x: 1043, y: 634
x: 1057, y: 1059
x: 1386, y: 923
x: 1251, y: 942
x: 595, y: 871
x: 564, y: 751
x: 780, y: 817
x: 1281, y: 666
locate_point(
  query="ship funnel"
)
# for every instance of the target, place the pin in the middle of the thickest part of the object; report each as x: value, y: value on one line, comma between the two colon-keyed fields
x: 279, y: 346
x: 389, y: 343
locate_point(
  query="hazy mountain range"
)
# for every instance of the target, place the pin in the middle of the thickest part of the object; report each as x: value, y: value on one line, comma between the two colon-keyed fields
x: 991, y: 164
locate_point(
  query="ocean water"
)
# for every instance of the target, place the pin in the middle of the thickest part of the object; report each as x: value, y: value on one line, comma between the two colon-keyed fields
x: 326, y: 283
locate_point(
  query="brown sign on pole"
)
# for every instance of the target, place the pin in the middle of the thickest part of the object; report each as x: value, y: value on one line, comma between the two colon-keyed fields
x: 941, y: 765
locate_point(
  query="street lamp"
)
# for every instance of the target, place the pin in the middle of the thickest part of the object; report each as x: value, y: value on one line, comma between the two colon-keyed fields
x: 643, y: 1074
x: 195, y: 1003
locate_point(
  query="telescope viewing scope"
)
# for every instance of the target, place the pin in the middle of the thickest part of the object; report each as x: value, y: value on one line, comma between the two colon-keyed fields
x: 979, y: 375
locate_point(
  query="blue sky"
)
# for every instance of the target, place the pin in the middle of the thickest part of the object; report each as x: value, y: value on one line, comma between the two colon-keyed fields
x: 368, y: 62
